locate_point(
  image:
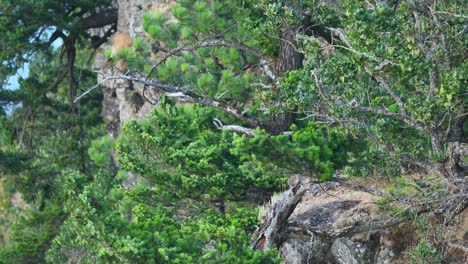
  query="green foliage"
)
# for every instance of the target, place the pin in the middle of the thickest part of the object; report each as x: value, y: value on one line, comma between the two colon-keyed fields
x: 180, y: 152
x: 101, y: 151
x: 30, y: 243
x: 176, y: 167
x: 178, y: 149
x: 113, y: 224
x: 80, y: 209
x: 42, y: 141
x: 425, y: 253
x: 12, y: 162
x: 156, y: 237
x: 390, y: 34
x: 216, y: 71
x: 372, y: 161
x: 120, y: 226
x: 26, y: 32
x: 304, y: 152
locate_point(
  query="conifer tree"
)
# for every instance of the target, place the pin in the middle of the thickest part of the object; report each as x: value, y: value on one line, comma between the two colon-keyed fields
x: 30, y: 27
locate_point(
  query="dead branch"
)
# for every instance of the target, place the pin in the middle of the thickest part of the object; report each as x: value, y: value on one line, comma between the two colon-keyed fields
x: 92, y: 88
x: 328, y: 120
x: 451, y: 14
x: 234, y: 128
x: 341, y: 34
x: 270, y: 235
x: 453, y: 205
x: 458, y: 246
x: 185, y: 94
x: 392, y: 93
x: 375, y: 110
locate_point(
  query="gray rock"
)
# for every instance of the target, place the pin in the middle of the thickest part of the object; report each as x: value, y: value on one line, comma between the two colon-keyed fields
x: 327, y: 225
x: 124, y: 100
x: 304, y: 250
x: 385, y: 256
x: 346, y: 251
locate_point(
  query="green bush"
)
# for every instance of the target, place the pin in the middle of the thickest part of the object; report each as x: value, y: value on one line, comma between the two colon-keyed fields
x: 425, y: 253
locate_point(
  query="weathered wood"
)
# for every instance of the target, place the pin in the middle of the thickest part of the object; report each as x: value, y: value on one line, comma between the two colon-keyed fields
x: 271, y: 235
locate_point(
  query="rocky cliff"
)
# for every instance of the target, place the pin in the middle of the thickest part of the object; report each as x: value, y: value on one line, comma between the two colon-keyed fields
x: 124, y: 100
x: 332, y: 223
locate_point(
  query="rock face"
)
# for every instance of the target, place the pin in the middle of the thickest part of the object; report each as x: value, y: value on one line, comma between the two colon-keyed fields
x: 124, y: 100
x: 347, y: 251
x: 331, y: 224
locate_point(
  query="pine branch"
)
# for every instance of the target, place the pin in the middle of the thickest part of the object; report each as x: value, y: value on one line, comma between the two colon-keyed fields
x: 207, y: 43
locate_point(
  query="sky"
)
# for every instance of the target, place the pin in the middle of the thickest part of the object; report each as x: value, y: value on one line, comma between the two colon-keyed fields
x: 13, y: 81
x: 23, y: 72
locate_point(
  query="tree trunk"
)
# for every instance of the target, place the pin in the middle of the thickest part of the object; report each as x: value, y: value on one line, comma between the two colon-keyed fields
x: 453, y: 171
x: 288, y: 59
x: 271, y: 235
x: 450, y: 167
x: 99, y: 20
x: 453, y: 160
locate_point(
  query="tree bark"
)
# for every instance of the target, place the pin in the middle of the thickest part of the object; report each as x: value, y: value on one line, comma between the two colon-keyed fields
x: 101, y: 19
x: 271, y: 235
x: 289, y: 58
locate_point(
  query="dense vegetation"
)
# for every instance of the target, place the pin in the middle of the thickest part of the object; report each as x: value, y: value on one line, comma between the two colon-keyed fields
x: 256, y: 91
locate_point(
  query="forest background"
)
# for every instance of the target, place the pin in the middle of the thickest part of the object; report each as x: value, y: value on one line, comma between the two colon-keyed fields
x: 251, y: 92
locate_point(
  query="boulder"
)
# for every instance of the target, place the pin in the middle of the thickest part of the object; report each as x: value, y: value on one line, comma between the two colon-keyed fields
x: 328, y: 223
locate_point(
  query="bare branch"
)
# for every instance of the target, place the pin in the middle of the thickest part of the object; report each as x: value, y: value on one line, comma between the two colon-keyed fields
x: 376, y: 110
x: 458, y: 247
x: 262, y: 85
x: 443, y: 38
x: 234, y: 128
x: 57, y: 34
x: 341, y: 34
x: 186, y: 95
x: 92, y: 88
x: 328, y: 120
x: 392, y: 93
x: 463, y: 31
x: 451, y: 14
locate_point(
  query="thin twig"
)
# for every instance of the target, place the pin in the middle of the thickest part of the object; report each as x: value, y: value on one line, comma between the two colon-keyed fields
x: 93, y: 87
x: 451, y: 14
